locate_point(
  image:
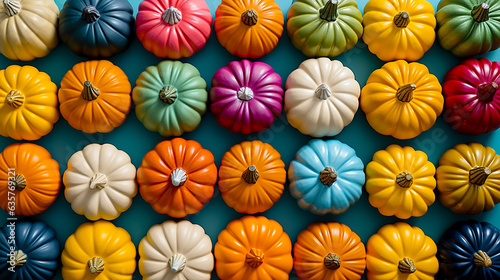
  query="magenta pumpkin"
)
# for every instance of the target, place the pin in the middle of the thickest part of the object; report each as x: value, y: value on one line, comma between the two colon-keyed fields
x: 472, y: 96
x: 246, y: 96
x: 173, y: 28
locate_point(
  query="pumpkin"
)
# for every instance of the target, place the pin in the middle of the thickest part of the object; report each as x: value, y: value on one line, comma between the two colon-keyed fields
x: 324, y: 27
x: 399, y: 29
x: 176, y: 251
x: 95, y: 96
x: 246, y: 96
x: 400, y: 182
x: 470, y: 250
x: 468, y: 27
x: 98, y: 251
x: 28, y: 28
x: 400, y: 251
x: 249, y: 29
x: 170, y: 98
x: 402, y: 99
x: 329, y: 251
x: 321, y: 97
x: 326, y: 177
x: 177, y: 177
x: 251, y: 177
x: 472, y: 97
x: 253, y: 248
x: 96, y: 28
x: 468, y: 178
x: 30, y: 177
x: 173, y: 28
x: 28, y: 250
x: 100, y: 182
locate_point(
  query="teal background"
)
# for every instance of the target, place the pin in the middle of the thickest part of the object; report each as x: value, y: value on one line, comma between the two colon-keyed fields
x: 133, y: 138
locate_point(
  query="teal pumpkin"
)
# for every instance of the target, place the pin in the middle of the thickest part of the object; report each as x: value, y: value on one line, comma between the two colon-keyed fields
x: 326, y: 176
x: 170, y: 98
x: 324, y: 27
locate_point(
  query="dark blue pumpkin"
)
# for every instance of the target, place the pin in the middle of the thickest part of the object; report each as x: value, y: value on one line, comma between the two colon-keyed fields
x: 470, y: 250
x: 37, y: 242
x: 96, y: 28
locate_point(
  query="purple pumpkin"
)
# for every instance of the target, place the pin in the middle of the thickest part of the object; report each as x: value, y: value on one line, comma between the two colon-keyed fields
x: 246, y: 96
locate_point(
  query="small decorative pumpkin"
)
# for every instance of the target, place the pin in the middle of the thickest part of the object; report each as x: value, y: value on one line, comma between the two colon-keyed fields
x: 329, y: 251
x: 100, y: 182
x: 176, y: 251
x: 36, y: 251
x: 402, y: 99
x: 173, y: 28
x: 321, y: 97
x: 28, y: 28
x: 470, y: 250
x: 468, y: 27
x: 95, y: 96
x: 251, y: 177
x: 468, y: 178
x: 249, y: 29
x: 326, y: 177
x: 400, y: 182
x: 170, y: 98
x: 96, y: 28
x: 30, y: 175
x: 400, y: 251
x: 253, y: 248
x: 324, y: 27
x: 177, y: 178
x: 28, y: 103
x: 246, y: 96
x: 99, y: 251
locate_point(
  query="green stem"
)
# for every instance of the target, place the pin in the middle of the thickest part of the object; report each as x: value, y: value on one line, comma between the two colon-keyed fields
x: 329, y: 11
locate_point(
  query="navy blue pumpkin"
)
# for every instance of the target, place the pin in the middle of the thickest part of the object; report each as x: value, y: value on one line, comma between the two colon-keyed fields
x: 470, y: 250
x: 35, y: 253
x: 96, y: 28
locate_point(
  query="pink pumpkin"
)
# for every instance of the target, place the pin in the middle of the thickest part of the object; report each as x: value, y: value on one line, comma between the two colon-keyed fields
x: 173, y: 28
x: 246, y: 96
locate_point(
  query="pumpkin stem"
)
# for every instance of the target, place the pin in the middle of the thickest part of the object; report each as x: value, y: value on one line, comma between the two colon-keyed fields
x: 90, y: 14
x: 171, y: 16
x: 406, y: 266
x: 177, y: 263
x: 90, y: 92
x: 480, y: 13
x: 328, y: 176
x: 250, y: 175
x: 245, y: 93
x: 15, y: 99
x: 249, y: 17
x: 178, y: 177
x: 332, y: 261
x: 402, y: 19
x: 12, y: 7
x: 323, y: 92
x: 96, y: 265
x: 481, y: 259
x: 98, y: 181
x: 404, y: 179
x: 20, y: 258
x: 405, y: 92
x: 19, y: 182
x: 168, y: 94
x: 329, y: 11
x: 486, y: 92
x: 478, y: 175
x: 254, y: 258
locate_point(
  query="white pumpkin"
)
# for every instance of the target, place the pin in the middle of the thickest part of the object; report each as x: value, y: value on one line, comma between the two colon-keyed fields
x: 100, y: 182
x: 321, y: 97
x: 176, y: 251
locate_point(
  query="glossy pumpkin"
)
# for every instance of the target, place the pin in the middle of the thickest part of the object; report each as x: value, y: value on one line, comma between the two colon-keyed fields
x: 321, y: 97
x: 324, y: 27
x: 329, y: 251
x: 402, y: 99
x: 28, y: 171
x: 253, y: 248
x: 326, y: 177
x: 170, y: 98
x: 468, y: 27
x: 95, y: 96
x: 468, y: 178
x: 173, y: 28
x: 98, y: 251
x: 400, y: 182
x: 400, y: 251
x: 96, y: 28
x: 246, y: 96
x: 249, y: 29
x: 251, y: 177
x: 177, y: 178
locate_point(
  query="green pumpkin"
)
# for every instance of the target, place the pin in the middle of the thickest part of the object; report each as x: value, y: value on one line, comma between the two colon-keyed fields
x: 170, y: 98
x: 469, y: 27
x: 324, y: 27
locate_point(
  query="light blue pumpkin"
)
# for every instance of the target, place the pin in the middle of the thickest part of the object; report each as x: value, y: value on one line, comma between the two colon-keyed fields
x: 326, y: 177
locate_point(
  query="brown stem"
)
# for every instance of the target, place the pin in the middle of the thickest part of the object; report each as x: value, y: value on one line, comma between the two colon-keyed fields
x: 249, y: 17
x: 14, y: 99
x: 171, y: 16
x: 332, y: 261
x: 486, y: 92
x: 404, y: 179
x: 90, y: 14
x: 405, y: 92
x: 90, y: 92
x: 329, y: 11
x: 478, y: 175
x: 19, y: 182
x: 402, y: 19
x: 250, y: 175
x: 12, y: 7
x: 480, y: 13
x: 255, y: 257
x: 328, y: 176
x: 481, y: 259
x: 96, y: 265
x: 406, y: 266
x: 19, y: 258
x: 168, y: 94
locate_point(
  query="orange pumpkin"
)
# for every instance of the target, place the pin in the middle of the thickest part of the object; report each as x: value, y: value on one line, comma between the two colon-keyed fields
x: 30, y: 179
x: 95, y: 96
x: 177, y: 178
x: 251, y: 177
